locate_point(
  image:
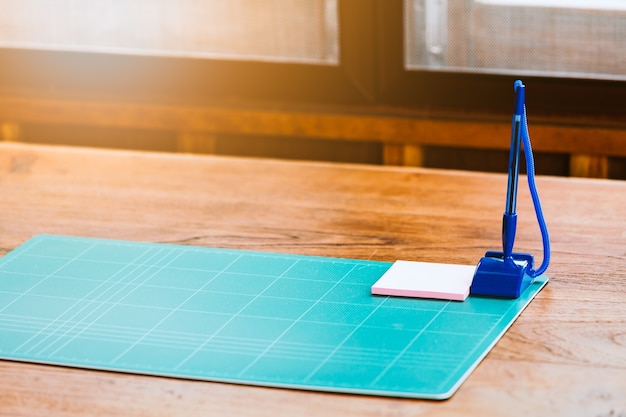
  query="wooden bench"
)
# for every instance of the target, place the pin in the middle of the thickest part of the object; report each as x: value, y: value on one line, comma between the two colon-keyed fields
x: 403, y: 134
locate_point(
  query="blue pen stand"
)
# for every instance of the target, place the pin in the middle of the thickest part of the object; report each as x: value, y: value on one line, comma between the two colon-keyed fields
x: 500, y: 276
x: 507, y: 273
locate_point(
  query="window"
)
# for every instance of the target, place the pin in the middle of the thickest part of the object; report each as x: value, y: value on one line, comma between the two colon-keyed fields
x: 185, y: 51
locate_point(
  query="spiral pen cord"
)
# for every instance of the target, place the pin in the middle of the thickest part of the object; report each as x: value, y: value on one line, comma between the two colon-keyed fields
x: 530, y: 173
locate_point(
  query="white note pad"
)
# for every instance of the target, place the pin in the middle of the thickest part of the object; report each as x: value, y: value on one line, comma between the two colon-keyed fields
x: 426, y: 280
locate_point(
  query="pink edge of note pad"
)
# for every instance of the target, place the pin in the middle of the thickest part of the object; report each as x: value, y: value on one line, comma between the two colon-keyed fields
x: 426, y: 280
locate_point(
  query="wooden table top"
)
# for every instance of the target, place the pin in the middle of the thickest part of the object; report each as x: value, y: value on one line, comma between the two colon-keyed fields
x: 565, y: 355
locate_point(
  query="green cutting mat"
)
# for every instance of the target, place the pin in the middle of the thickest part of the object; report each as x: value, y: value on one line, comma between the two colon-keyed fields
x: 238, y: 316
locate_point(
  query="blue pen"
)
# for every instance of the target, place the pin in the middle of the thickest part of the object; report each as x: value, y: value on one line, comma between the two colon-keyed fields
x: 509, y: 219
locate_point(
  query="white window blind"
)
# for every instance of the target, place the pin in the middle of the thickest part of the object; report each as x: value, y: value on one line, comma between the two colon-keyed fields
x: 270, y: 30
x: 564, y: 38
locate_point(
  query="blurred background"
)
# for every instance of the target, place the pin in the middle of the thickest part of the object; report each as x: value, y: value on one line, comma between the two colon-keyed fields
x: 399, y: 82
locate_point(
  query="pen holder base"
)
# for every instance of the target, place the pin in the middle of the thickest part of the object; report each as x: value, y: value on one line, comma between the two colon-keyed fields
x: 500, y: 276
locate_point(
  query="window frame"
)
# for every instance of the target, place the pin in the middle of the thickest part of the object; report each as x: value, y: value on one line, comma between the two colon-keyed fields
x: 371, y: 74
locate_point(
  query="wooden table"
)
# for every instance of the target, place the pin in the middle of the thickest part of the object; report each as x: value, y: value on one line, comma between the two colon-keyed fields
x: 565, y: 355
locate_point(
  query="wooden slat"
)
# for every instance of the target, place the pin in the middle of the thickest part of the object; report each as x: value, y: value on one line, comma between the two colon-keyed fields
x: 383, y: 126
x: 591, y: 166
x: 10, y: 132
x: 196, y: 142
x: 407, y: 155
